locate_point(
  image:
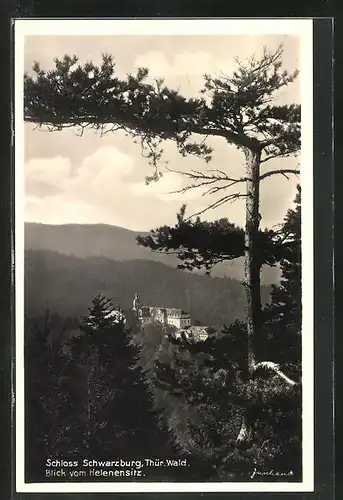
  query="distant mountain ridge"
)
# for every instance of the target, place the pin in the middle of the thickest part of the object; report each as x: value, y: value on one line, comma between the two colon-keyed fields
x: 67, y: 284
x: 118, y: 244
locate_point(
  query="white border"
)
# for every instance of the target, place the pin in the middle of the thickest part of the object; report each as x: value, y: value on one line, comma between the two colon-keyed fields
x: 297, y: 27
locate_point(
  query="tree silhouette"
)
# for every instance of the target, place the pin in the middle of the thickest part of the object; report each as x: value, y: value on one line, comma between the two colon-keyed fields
x: 240, y: 109
x: 283, y: 316
x: 201, y: 244
x: 114, y: 388
x: 52, y: 404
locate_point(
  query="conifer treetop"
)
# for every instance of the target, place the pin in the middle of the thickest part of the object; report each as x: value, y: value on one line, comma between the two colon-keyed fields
x: 240, y: 108
x: 103, y: 314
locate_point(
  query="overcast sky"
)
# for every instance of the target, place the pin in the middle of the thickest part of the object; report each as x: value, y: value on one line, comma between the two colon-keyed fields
x: 102, y: 180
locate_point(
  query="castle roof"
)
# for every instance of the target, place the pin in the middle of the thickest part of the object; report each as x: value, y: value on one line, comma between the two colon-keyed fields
x: 169, y: 311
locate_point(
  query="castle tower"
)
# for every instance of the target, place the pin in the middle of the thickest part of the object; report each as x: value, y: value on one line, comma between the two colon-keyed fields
x: 136, y: 303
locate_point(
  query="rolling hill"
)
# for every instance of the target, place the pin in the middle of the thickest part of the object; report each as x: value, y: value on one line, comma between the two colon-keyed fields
x: 118, y: 244
x: 67, y: 284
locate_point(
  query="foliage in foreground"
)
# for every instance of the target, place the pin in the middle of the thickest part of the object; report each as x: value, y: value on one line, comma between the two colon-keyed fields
x: 85, y: 380
x: 203, y: 389
x: 82, y: 394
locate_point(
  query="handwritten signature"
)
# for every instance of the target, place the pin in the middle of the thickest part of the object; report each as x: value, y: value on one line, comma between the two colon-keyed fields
x: 272, y: 472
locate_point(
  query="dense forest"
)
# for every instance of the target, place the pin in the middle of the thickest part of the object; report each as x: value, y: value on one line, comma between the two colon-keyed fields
x: 67, y: 284
x: 87, y: 374
x: 118, y: 244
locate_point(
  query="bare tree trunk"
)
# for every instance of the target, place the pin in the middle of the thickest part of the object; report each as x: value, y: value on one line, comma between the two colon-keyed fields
x: 252, y: 269
x: 252, y: 266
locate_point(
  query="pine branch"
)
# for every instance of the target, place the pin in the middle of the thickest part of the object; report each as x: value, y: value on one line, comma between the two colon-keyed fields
x: 198, y: 175
x: 238, y: 138
x: 280, y: 171
x: 207, y: 180
x: 277, y: 155
x: 229, y: 198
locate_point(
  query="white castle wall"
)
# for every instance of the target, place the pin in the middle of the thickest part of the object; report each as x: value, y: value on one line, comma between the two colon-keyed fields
x: 167, y: 316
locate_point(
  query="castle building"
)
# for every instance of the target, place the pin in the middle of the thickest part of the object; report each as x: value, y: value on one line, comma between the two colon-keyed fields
x: 167, y: 316
x: 195, y: 333
x: 199, y: 333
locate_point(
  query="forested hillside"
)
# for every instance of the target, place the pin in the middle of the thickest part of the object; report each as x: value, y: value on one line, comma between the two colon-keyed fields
x: 117, y: 243
x: 67, y: 284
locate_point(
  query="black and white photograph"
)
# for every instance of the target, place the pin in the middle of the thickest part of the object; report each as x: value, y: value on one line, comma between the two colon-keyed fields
x: 163, y: 206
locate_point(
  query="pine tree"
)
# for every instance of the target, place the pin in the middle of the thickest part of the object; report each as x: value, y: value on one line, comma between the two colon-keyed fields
x: 44, y: 398
x: 238, y: 108
x: 207, y: 379
x: 200, y: 244
x: 115, y: 389
x: 283, y: 317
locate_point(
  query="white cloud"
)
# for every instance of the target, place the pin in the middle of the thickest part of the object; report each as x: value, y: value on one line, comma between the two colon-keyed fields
x: 102, y: 173
x: 59, y: 210
x: 193, y: 63
x: 99, y: 190
x: 104, y: 189
x: 107, y: 159
x: 51, y: 171
x: 165, y: 189
x: 95, y: 179
x: 185, y: 70
x: 32, y: 203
